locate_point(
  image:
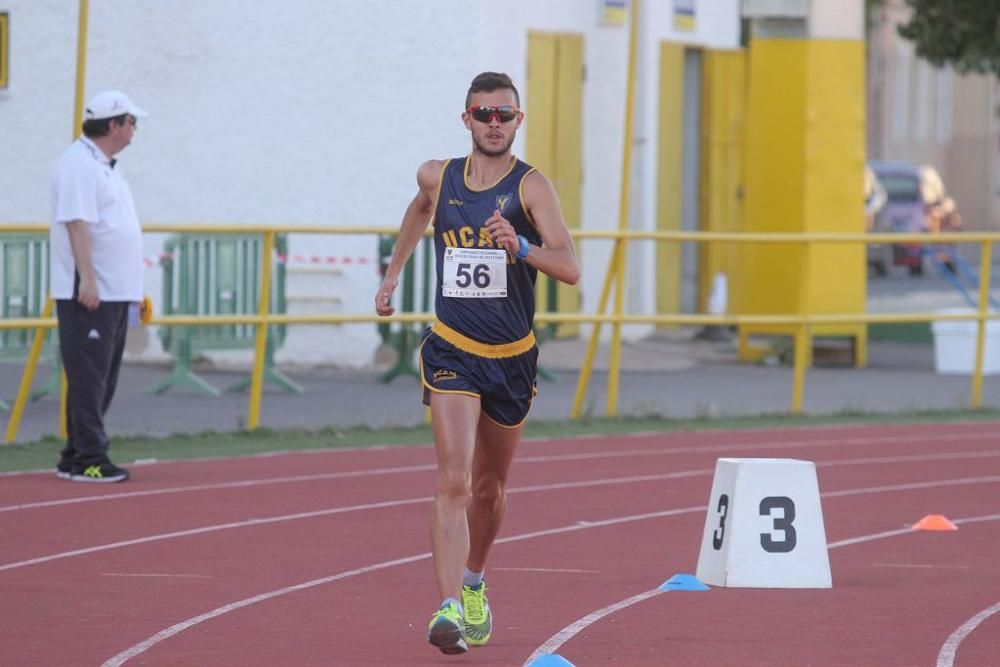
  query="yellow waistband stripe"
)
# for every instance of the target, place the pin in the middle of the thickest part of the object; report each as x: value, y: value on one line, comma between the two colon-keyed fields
x: 471, y: 346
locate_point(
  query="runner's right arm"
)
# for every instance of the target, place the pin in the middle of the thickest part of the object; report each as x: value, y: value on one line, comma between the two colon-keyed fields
x: 415, y: 220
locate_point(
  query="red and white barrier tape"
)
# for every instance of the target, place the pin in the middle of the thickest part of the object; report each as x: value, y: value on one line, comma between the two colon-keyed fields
x: 313, y: 260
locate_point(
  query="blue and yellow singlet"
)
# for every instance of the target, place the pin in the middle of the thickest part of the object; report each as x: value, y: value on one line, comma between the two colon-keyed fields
x: 470, y: 298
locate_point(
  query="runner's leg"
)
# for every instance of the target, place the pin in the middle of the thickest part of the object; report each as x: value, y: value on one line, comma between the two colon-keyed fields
x: 494, y: 454
x: 454, y: 418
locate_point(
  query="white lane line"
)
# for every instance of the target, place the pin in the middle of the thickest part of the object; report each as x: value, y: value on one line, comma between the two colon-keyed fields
x: 148, y: 643
x: 553, y: 643
x: 637, y: 435
x: 554, y: 458
x: 326, y: 512
x: 144, y: 646
x: 207, y: 529
x: 155, y: 575
x: 553, y: 570
x: 410, y: 501
x: 220, y: 485
x: 981, y: 454
x: 946, y: 656
x: 921, y: 566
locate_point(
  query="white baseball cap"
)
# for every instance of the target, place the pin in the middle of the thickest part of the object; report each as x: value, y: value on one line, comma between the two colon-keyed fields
x: 111, y: 103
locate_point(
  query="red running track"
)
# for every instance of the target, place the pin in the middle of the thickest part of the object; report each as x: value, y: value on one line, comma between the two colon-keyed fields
x: 322, y: 558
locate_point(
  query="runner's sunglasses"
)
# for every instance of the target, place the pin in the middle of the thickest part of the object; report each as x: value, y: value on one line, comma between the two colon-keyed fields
x: 485, y: 114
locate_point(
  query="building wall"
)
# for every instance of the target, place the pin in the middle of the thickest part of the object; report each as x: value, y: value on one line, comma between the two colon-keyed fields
x: 935, y: 116
x: 315, y: 112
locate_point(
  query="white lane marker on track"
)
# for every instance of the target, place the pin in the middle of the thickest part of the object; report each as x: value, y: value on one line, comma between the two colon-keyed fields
x: 411, y: 501
x: 555, y: 458
x: 221, y: 485
x: 553, y: 643
x: 148, y: 643
x: 946, y: 656
x: 156, y: 575
x: 333, y: 510
x: 207, y: 529
x: 921, y: 566
x: 554, y: 570
x: 638, y: 435
x: 394, y: 503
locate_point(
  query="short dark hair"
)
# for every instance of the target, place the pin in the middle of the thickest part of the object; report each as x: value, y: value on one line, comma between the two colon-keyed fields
x: 92, y: 129
x: 487, y: 82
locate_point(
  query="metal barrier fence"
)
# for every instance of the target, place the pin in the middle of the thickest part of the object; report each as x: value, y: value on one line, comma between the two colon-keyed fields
x: 212, y: 274
x: 24, y: 278
x: 264, y: 319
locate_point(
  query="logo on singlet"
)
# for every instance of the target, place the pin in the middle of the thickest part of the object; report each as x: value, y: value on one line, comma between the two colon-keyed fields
x: 502, y: 201
x: 455, y: 202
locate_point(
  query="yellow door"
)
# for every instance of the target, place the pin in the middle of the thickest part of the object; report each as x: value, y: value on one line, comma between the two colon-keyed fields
x: 670, y: 157
x: 554, y: 122
x: 723, y: 124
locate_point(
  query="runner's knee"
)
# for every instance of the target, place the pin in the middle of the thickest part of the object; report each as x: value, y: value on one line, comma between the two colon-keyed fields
x: 457, y: 485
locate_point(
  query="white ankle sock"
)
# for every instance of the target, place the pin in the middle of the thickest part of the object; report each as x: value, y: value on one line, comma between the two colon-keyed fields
x: 471, y: 578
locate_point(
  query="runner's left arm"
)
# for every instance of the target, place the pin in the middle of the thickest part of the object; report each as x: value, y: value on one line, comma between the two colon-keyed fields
x: 556, y: 257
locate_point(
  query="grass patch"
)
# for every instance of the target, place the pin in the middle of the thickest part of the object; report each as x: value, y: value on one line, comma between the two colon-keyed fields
x: 44, y: 453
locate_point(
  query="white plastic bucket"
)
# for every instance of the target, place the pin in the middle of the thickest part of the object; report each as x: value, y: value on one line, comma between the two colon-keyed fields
x: 955, y: 344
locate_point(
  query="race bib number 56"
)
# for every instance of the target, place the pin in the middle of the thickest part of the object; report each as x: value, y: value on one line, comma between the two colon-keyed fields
x: 474, y: 273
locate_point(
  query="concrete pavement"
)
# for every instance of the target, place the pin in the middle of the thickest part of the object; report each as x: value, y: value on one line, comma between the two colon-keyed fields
x: 670, y: 375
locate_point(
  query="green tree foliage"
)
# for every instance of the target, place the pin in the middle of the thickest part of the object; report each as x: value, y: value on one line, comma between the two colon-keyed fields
x: 964, y: 34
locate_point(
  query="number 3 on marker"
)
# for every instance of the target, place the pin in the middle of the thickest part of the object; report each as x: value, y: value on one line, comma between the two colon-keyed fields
x: 719, y: 533
x: 782, y: 523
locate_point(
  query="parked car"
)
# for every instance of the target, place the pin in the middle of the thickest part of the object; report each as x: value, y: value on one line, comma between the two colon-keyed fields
x: 875, y: 200
x: 915, y: 201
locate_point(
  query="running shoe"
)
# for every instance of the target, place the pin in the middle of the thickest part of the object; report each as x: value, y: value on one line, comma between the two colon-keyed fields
x: 478, y: 618
x: 102, y: 473
x: 64, y: 468
x: 445, y: 630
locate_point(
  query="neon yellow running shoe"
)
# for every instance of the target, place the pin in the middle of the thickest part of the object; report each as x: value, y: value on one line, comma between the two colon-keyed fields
x: 445, y: 630
x: 478, y: 618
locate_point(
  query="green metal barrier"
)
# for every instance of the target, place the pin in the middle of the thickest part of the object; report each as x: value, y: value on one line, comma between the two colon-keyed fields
x: 546, y: 332
x: 23, y: 289
x: 406, y: 338
x: 205, y: 274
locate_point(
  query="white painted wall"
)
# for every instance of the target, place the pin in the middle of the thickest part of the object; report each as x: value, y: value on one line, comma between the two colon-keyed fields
x: 319, y: 112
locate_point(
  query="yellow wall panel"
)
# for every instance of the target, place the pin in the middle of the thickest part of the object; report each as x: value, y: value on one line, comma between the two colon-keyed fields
x: 835, y: 160
x: 569, y: 164
x: 669, y: 159
x: 539, y: 118
x: 769, y: 282
x: 554, y: 129
x: 804, y: 161
x: 723, y: 127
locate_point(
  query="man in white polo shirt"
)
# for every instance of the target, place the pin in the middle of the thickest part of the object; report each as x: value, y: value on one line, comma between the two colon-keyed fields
x: 96, y: 274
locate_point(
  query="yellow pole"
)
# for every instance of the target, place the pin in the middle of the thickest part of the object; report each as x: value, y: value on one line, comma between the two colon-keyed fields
x: 257, y: 382
x: 803, y: 351
x: 616, y: 329
x: 986, y: 259
x: 63, y: 392
x: 28, y: 377
x: 800, y: 363
x: 81, y: 67
x: 616, y: 270
x: 588, y: 358
x: 81, y: 81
